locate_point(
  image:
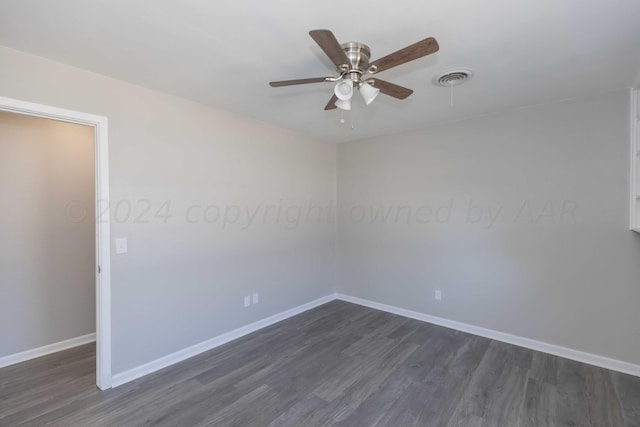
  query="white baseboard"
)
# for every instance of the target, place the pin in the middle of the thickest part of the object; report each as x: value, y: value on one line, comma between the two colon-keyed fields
x: 23, y: 356
x: 179, y: 356
x: 556, y: 350
x: 194, y: 350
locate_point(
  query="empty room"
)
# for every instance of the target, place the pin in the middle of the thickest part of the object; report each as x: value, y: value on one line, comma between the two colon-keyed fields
x: 276, y: 213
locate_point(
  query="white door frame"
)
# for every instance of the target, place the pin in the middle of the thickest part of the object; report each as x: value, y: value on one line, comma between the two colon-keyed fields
x: 103, y: 251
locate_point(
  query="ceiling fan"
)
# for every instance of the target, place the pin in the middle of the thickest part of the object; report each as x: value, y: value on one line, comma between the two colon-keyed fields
x: 353, y: 66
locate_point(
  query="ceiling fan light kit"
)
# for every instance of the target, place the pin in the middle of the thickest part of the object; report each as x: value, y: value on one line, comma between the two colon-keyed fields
x: 353, y: 67
x: 344, y: 91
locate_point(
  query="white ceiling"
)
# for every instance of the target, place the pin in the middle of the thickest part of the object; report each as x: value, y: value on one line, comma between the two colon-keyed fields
x: 223, y: 53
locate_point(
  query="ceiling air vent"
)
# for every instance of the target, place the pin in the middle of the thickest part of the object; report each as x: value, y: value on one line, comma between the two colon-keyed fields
x: 453, y: 77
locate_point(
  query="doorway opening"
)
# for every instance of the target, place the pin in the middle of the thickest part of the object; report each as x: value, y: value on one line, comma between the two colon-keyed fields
x: 98, y: 211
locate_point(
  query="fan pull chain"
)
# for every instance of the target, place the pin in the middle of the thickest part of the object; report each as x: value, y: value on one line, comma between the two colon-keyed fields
x: 342, y: 120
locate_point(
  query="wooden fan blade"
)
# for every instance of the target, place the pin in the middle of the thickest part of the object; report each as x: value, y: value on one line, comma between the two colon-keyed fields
x: 332, y: 103
x: 298, y: 82
x: 390, y: 89
x: 330, y: 46
x: 409, y: 53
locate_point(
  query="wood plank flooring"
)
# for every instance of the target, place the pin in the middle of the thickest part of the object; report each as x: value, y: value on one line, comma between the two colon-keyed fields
x: 339, y: 364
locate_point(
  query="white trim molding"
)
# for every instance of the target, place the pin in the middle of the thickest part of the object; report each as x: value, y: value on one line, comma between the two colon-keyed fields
x: 194, y: 350
x: 556, y: 350
x: 23, y: 356
x: 634, y: 203
x: 103, y: 242
x: 210, y: 344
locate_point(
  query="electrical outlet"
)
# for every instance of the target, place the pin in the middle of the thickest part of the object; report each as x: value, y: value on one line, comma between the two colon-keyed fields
x: 256, y: 298
x: 247, y: 300
x: 438, y: 295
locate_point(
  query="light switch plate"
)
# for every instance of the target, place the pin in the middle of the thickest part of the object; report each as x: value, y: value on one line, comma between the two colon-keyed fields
x: 121, y: 245
x: 255, y: 298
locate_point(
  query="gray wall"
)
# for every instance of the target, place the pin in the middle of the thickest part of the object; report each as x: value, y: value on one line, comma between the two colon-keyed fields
x: 571, y: 280
x: 185, y: 276
x: 47, y: 263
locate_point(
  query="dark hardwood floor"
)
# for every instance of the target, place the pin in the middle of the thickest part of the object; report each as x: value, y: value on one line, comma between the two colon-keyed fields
x: 339, y: 364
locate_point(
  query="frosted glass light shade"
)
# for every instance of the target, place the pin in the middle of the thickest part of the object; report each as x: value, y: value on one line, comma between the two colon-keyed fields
x: 368, y: 92
x: 343, y: 104
x: 344, y: 90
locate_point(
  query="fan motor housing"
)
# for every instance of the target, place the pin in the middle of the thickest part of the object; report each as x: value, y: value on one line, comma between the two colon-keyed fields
x: 358, y: 54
